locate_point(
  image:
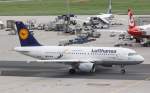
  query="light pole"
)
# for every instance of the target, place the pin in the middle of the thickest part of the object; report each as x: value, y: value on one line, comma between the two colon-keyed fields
x: 68, y: 6
x: 68, y: 14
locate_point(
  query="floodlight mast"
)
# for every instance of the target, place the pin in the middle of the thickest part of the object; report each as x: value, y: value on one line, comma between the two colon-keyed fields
x: 68, y: 14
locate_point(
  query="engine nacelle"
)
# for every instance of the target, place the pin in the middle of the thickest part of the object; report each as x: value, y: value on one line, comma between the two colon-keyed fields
x: 87, y: 67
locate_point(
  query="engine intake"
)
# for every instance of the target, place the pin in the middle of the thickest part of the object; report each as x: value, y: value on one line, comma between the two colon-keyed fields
x: 87, y: 67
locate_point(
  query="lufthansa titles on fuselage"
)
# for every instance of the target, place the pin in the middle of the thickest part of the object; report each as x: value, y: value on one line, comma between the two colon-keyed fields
x: 104, y: 51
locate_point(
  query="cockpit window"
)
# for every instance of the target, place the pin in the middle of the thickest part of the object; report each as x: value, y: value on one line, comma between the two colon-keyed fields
x: 132, y: 54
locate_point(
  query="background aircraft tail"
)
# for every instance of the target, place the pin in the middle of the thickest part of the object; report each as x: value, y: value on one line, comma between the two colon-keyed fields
x: 131, y: 19
x: 25, y: 36
x: 109, y: 11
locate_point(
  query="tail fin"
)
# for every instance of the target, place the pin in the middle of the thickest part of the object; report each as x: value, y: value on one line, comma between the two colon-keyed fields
x: 131, y: 19
x: 26, y: 38
x: 109, y: 11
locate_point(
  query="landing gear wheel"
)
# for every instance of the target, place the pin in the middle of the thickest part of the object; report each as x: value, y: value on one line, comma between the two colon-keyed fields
x: 72, y: 71
x: 123, y: 71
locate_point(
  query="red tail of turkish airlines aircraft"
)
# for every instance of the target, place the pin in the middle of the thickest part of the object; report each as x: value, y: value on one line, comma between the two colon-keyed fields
x: 133, y: 29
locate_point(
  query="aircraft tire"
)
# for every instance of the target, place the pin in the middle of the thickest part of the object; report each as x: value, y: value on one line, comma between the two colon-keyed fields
x: 123, y: 71
x: 72, y: 71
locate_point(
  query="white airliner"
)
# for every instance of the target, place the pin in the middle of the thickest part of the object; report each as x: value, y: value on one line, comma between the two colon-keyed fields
x: 137, y: 32
x: 106, y: 17
x: 79, y: 58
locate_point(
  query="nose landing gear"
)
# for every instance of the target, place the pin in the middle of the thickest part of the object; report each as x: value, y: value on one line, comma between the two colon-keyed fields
x: 123, y: 71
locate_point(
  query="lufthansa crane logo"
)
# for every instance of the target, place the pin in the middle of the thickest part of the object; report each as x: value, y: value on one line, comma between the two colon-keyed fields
x: 23, y: 34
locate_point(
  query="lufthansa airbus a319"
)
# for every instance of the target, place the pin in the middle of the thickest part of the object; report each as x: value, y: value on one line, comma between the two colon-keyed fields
x: 79, y: 58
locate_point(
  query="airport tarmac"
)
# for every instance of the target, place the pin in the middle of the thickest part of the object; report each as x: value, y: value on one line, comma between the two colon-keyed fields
x: 18, y: 76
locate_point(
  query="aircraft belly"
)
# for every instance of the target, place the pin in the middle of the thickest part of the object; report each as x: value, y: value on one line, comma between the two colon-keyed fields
x: 69, y: 56
x: 121, y: 62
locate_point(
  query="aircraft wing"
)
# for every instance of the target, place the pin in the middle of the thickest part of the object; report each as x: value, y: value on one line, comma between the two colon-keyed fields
x: 104, y: 20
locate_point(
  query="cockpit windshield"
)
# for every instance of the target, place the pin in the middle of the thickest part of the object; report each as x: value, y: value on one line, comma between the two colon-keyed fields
x: 132, y: 54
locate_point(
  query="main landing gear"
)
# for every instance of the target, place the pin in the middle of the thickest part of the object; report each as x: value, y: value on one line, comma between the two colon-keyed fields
x: 72, y: 71
x: 123, y: 71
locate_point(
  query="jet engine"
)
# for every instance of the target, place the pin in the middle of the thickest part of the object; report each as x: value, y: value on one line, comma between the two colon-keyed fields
x: 87, y: 67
